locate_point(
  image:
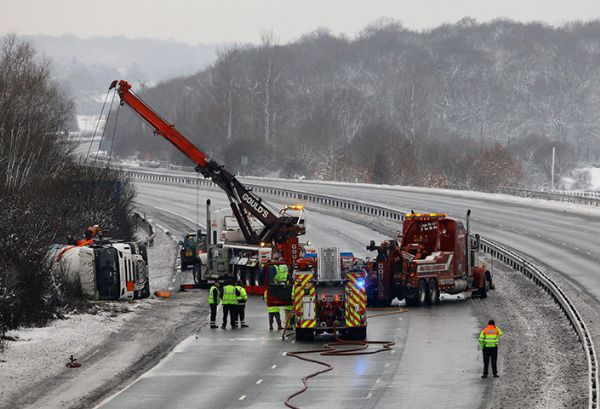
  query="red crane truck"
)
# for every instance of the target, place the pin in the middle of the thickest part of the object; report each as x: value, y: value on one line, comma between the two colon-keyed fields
x: 276, y: 229
x: 433, y: 255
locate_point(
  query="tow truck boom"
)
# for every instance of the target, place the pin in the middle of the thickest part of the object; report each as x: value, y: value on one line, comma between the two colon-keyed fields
x: 243, y: 202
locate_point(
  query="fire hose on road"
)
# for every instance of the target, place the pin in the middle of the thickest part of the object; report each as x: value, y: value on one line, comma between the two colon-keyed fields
x: 331, y: 349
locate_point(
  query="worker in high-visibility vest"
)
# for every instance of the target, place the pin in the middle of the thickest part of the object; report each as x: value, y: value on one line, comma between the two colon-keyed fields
x: 274, y: 313
x: 281, y: 273
x: 229, y: 300
x: 489, y: 338
x: 214, y: 298
x: 242, y: 297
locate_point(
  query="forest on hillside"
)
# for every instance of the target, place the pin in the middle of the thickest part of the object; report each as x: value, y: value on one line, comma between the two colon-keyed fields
x: 464, y: 105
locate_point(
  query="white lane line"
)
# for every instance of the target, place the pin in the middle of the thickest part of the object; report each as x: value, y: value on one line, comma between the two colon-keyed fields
x: 369, y: 395
x: 588, y: 253
x: 564, y: 244
x: 242, y: 397
x: 259, y: 382
x: 378, y: 380
x: 274, y: 366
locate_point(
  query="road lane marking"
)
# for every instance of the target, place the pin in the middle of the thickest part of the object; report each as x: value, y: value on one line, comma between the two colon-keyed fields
x: 378, y: 380
x: 259, y: 382
x: 274, y: 366
x: 242, y: 397
x: 369, y: 395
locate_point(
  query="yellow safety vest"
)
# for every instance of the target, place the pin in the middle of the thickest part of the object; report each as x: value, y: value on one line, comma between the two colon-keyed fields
x: 229, y: 297
x: 211, y: 299
x: 273, y: 308
x: 489, y: 336
x: 243, y: 297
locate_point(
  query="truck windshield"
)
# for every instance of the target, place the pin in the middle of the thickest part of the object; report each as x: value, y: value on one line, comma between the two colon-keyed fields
x: 190, y: 241
x: 107, y: 273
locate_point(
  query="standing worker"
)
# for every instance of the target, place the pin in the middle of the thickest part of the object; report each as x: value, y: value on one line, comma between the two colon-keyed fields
x: 242, y: 297
x: 214, y: 297
x: 273, y: 313
x: 488, y: 340
x: 229, y: 304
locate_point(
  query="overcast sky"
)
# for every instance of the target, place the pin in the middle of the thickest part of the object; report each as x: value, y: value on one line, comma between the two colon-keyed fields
x: 207, y: 21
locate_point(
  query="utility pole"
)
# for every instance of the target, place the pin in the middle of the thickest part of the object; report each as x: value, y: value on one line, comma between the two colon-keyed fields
x: 553, y: 162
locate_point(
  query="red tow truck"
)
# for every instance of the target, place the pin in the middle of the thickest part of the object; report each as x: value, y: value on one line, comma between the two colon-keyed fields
x: 434, y: 255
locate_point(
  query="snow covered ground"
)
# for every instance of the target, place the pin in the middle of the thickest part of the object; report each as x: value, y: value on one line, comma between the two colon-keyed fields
x: 41, y: 354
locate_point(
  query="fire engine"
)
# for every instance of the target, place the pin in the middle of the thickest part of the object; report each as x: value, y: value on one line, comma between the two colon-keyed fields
x: 435, y: 254
x: 327, y: 294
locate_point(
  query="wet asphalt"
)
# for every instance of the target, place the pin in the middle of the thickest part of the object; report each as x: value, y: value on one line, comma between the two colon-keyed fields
x: 435, y: 353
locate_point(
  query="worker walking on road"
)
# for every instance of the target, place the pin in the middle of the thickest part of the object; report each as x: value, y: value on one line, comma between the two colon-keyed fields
x: 242, y: 297
x: 214, y: 298
x: 273, y: 314
x: 488, y: 340
x: 229, y: 304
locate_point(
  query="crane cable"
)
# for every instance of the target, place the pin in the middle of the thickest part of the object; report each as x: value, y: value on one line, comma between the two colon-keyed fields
x: 357, y: 347
x: 105, y: 125
x: 97, y: 126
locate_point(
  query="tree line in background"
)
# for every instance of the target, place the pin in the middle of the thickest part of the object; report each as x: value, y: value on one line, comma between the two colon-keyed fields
x: 465, y: 105
x: 45, y: 194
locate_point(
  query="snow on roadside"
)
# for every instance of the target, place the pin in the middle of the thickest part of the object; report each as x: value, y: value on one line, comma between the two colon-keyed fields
x: 42, y: 352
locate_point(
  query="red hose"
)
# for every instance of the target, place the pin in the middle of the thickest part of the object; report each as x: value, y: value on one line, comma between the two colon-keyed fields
x: 330, y: 349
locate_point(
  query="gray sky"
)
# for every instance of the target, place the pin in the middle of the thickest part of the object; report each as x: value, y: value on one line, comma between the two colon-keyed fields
x: 204, y: 21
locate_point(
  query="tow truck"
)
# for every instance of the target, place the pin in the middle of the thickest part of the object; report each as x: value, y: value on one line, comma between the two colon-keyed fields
x: 278, y: 230
x: 434, y: 254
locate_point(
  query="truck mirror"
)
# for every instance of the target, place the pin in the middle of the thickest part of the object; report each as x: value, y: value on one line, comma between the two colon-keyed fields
x: 475, y: 242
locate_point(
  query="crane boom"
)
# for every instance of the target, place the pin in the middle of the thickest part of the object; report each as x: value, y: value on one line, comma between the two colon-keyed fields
x: 243, y: 201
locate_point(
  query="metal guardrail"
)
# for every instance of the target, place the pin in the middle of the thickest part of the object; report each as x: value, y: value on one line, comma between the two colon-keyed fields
x: 505, y: 255
x: 535, y: 273
x: 587, y: 198
x: 147, y: 227
x: 369, y: 209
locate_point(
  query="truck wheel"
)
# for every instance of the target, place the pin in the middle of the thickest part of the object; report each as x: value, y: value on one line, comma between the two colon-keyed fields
x: 183, y: 266
x: 422, y: 293
x: 357, y: 333
x: 146, y: 290
x: 197, y: 272
x: 304, y: 334
x: 433, y: 293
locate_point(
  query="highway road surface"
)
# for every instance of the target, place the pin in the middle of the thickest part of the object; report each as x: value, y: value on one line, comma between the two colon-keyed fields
x: 563, y: 241
x: 247, y: 368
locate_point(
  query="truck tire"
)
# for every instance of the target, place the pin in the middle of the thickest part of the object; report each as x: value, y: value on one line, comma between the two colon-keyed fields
x: 197, y: 272
x: 433, y: 293
x: 421, y: 294
x: 146, y: 290
x: 304, y: 334
x: 353, y: 333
